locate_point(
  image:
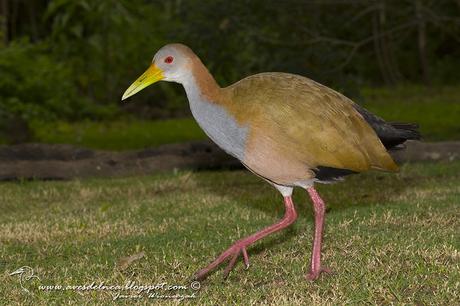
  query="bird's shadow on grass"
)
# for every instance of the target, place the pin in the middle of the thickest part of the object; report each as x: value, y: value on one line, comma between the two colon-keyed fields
x: 367, y: 189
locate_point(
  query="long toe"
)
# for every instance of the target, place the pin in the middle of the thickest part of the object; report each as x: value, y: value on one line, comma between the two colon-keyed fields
x: 314, y: 275
x: 233, y: 253
x: 201, y: 274
x: 231, y: 265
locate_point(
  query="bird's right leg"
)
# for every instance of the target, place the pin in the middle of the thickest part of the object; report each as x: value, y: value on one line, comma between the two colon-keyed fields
x: 319, y: 209
x: 240, y: 246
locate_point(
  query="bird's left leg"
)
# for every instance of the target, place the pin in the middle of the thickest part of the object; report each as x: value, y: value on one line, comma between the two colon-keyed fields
x: 240, y: 246
x: 319, y: 209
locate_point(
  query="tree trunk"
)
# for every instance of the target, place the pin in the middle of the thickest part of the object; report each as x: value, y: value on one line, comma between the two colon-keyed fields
x: 13, y: 19
x: 389, y: 63
x: 421, y: 42
x: 380, y: 47
x: 393, y: 59
x: 32, y: 8
x: 4, y: 22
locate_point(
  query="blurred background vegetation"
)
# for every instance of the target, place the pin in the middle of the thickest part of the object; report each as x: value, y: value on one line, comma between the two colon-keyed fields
x: 64, y: 64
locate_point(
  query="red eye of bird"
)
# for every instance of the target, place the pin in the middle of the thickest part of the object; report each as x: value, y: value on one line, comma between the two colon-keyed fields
x: 169, y: 60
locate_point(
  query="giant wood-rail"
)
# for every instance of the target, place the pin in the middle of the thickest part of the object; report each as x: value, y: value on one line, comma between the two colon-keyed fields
x: 285, y: 128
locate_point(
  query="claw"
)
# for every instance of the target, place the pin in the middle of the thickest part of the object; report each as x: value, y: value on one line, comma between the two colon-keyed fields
x: 245, y: 258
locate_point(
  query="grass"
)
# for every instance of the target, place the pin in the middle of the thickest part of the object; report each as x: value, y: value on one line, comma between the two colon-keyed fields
x: 119, y: 135
x: 436, y: 110
x: 391, y: 239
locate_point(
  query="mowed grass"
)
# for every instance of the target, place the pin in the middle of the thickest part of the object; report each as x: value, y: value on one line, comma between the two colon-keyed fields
x: 436, y: 110
x: 390, y: 238
x: 123, y: 134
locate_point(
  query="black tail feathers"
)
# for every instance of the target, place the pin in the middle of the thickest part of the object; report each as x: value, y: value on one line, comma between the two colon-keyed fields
x: 391, y: 134
x: 400, y: 133
x: 407, y: 130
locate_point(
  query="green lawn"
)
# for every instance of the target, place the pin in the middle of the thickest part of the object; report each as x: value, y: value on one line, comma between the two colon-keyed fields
x: 390, y: 238
x: 437, y: 110
x: 119, y: 135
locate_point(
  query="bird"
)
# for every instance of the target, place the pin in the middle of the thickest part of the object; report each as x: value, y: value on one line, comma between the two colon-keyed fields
x: 285, y: 128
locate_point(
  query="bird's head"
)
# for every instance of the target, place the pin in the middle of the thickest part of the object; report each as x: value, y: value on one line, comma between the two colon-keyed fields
x: 171, y: 63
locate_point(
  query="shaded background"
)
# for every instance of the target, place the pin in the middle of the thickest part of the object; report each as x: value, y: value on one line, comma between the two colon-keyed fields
x: 64, y: 64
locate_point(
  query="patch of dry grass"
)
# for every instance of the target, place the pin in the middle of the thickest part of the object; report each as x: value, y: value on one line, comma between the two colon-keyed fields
x: 389, y: 238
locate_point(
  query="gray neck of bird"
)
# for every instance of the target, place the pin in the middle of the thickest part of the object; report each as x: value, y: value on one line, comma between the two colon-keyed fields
x: 201, y: 85
x: 208, y: 105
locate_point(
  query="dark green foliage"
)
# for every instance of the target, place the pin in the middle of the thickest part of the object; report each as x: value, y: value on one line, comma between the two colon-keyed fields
x: 108, y: 43
x: 34, y: 87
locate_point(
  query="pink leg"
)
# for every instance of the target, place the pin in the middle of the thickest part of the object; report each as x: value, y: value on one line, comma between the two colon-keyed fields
x: 319, y: 208
x: 240, y: 246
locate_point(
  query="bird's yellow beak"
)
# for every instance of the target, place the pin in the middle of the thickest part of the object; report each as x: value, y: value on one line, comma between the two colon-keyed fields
x: 150, y: 76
